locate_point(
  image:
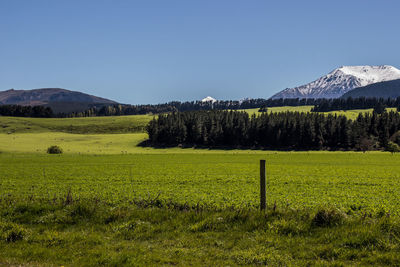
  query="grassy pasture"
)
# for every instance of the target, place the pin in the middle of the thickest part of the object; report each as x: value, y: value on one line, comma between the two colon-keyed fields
x: 199, y: 207
x: 366, y: 182
x: 72, y: 143
x: 351, y: 114
x: 108, y: 202
x: 252, y: 111
x: 87, y: 125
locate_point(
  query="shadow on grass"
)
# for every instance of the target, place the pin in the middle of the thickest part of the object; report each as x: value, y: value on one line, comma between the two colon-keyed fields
x: 148, y: 144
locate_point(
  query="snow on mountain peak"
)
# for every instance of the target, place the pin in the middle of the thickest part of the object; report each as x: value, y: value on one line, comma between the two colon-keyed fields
x: 340, y: 81
x: 209, y: 99
x: 372, y: 74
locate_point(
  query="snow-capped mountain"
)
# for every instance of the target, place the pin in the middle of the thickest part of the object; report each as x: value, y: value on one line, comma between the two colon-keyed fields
x: 340, y: 81
x: 245, y: 99
x: 209, y: 99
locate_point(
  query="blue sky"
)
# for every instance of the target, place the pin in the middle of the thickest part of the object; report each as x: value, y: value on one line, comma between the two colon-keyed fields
x: 157, y: 51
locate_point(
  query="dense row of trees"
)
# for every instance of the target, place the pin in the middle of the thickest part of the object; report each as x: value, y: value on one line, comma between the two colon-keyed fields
x: 26, y: 111
x: 288, y: 130
x: 120, y: 110
x: 320, y: 105
x: 116, y: 110
x: 325, y: 105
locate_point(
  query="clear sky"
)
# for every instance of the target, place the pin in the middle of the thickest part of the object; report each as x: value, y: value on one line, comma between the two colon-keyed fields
x: 156, y: 51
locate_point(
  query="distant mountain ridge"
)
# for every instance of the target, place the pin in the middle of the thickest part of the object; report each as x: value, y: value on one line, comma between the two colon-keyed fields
x: 341, y: 81
x: 388, y: 89
x: 60, y: 100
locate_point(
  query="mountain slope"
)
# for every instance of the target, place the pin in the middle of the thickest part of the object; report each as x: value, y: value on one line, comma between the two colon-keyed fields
x: 60, y: 100
x: 340, y: 81
x: 388, y: 89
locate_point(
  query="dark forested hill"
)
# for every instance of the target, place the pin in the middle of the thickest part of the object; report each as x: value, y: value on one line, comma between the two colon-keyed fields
x: 389, y: 89
x: 60, y: 100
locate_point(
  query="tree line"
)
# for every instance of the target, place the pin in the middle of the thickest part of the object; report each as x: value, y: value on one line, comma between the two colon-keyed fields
x: 320, y: 105
x: 283, y: 131
x: 119, y: 109
x: 123, y: 109
x: 325, y: 105
x: 26, y: 111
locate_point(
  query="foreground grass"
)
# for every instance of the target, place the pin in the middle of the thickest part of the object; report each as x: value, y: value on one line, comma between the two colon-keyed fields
x: 360, y: 182
x: 91, y: 233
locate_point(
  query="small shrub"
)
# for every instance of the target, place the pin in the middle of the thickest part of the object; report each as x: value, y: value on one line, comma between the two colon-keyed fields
x: 392, y: 147
x: 263, y: 109
x: 54, y: 150
x: 328, y: 217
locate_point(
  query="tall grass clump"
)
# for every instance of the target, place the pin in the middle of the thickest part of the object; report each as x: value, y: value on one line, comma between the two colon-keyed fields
x: 11, y: 232
x: 328, y: 217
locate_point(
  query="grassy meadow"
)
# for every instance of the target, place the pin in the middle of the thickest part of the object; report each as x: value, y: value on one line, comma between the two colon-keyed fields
x: 354, y: 182
x: 252, y: 111
x: 86, y: 125
x: 107, y: 202
x: 351, y: 114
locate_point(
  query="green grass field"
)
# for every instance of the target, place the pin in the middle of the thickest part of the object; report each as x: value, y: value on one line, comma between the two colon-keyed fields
x: 199, y: 207
x: 351, y: 114
x: 280, y: 109
x: 369, y: 182
x: 343, y: 179
x: 107, y: 202
x: 87, y: 125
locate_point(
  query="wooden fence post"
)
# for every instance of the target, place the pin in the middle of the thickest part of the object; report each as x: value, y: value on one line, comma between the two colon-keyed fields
x: 130, y: 173
x: 263, y: 197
